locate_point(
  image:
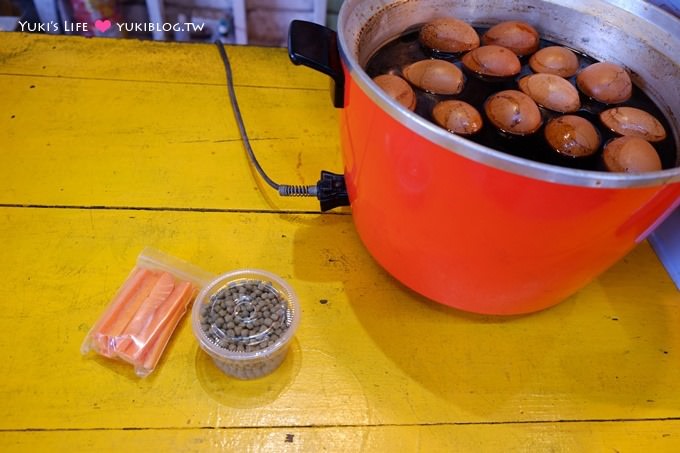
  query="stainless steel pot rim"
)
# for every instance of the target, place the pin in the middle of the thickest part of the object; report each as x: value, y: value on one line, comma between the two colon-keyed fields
x: 488, y: 156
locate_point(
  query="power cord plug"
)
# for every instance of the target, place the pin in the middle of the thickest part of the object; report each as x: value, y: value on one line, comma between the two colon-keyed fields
x: 330, y: 190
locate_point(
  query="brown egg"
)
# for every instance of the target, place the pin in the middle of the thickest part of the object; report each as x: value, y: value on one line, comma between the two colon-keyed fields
x: 513, y: 112
x: 449, y: 35
x: 493, y: 61
x: 606, y: 82
x: 633, y: 122
x: 519, y: 37
x: 458, y: 117
x: 554, y: 60
x: 572, y: 136
x: 398, y: 89
x: 551, y: 91
x: 435, y: 76
x: 630, y: 155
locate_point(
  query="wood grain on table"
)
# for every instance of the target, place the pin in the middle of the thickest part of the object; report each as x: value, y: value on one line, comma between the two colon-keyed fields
x: 109, y: 146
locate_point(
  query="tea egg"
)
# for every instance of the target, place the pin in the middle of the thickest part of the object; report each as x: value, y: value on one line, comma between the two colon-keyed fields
x: 448, y: 34
x: 633, y: 122
x: 572, y: 136
x: 630, y: 155
x: 551, y: 91
x: 398, y: 89
x: 513, y: 112
x: 556, y: 60
x: 435, y: 76
x: 492, y: 61
x: 458, y: 117
x: 519, y: 37
x: 606, y: 82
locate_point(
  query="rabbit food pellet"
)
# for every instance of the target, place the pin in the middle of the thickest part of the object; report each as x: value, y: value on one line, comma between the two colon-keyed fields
x: 245, y: 317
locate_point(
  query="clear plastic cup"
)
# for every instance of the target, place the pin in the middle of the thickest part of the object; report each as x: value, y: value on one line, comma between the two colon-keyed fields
x: 245, y: 320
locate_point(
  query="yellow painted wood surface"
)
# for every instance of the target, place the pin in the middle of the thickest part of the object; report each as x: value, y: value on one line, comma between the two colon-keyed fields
x: 123, y: 144
x: 655, y: 436
x: 163, y: 108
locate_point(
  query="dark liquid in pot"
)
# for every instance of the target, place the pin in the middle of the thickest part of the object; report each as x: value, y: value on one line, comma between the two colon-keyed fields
x: 407, y: 49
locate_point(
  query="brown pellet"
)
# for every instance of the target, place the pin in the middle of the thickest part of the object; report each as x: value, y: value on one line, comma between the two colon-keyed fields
x: 245, y: 316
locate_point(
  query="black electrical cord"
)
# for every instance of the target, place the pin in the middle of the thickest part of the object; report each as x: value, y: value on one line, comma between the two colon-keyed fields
x: 283, y: 189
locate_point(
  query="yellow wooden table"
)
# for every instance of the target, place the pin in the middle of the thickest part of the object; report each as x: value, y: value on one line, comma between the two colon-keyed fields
x: 110, y: 146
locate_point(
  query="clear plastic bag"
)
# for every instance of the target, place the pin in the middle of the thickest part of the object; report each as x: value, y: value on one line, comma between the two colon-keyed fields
x: 138, y: 323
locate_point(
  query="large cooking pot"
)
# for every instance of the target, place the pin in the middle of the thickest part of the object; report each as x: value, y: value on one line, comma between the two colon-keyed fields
x: 469, y: 226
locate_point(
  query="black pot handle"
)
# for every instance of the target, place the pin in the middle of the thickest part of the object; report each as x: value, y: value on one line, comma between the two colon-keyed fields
x: 316, y: 46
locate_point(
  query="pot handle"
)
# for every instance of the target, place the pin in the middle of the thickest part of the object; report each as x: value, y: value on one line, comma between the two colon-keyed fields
x: 316, y: 46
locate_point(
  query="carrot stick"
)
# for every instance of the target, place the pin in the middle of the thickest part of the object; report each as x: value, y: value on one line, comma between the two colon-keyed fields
x: 144, y: 315
x: 130, y: 286
x: 153, y: 352
x: 163, y: 312
x: 111, y: 330
x: 160, y: 317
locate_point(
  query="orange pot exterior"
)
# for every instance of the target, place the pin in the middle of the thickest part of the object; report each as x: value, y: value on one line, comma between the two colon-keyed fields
x: 476, y: 237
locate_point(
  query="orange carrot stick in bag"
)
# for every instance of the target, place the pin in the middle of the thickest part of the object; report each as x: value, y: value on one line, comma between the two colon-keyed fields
x: 144, y: 314
x: 179, y: 295
x: 145, y: 311
x: 155, y: 349
x: 110, y: 331
x: 93, y: 339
